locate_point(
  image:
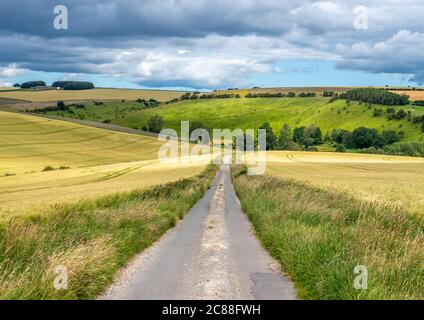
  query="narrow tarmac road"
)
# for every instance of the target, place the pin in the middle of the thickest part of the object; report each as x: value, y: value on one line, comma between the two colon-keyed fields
x: 211, y: 254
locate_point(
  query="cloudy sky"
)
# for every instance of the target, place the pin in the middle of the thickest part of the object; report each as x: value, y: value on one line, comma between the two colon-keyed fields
x: 208, y: 44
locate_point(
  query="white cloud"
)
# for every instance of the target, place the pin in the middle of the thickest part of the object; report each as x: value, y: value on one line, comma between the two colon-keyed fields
x: 403, y: 53
x: 212, y: 43
x: 11, y: 71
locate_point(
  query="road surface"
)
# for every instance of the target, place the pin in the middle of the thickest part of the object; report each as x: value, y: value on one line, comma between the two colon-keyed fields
x: 211, y: 254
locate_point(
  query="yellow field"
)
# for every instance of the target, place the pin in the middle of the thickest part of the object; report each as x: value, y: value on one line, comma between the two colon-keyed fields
x: 397, y: 180
x: 94, y: 94
x: 413, y: 94
x: 99, y: 161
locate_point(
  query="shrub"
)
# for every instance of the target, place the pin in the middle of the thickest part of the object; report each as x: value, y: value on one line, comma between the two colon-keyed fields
x: 155, y: 123
x: 328, y: 94
x: 47, y: 168
x: 61, y: 105
x: 341, y: 148
x: 377, y: 112
x: 419, y: 102
x: 391, y: 136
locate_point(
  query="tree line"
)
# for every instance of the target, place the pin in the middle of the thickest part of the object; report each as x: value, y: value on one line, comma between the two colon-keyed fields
x: 73, y: 85
x: 281, y: 95
x: 65, y: 85
x: 376, y: 96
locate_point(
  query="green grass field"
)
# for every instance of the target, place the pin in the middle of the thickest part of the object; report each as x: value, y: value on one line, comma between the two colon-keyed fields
x: 251, y: 113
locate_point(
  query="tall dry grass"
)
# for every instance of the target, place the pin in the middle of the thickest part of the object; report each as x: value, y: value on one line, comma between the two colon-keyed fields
x: 91, y: 238
x: 319, y: 236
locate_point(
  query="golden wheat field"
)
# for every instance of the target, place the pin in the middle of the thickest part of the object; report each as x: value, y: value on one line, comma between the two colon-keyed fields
x: 389, y: 179
x: 94, y: 94
x: 87, y: 162
x: 412, y: 94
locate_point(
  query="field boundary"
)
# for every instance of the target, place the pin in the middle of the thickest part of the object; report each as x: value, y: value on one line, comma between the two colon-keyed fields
x: 100, y: 125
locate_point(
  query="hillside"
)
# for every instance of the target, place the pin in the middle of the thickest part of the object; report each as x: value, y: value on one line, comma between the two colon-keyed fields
x: 87, y: 162
x: 251, y: 113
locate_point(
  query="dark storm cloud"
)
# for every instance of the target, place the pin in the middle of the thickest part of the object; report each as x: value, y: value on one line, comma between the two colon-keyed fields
x: 208, y: 43
x: 112, y: 18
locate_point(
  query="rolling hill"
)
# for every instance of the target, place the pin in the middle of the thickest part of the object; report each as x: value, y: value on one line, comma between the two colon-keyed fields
x: 93, y: 94
x: 87, y: 162
x: 251, y: 113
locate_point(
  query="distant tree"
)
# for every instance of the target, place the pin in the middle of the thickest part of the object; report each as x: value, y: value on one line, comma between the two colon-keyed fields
x: 61, y: 106
x: 377, y: 112
x: 291, y: 94
x: 271, y: 139
x: 341, y: 136
x: 391, y: 136
x: 313, y: 132
x: 31, y: 84
x: 73, y: 85
x: 366, y: 137
x: 327, y: 137
x: 194, y: 125
x: 186, y: 96
x: 155, y: 123
x: 285, y: 136
x: 299, y: 134
x: 328, y: 94
x: 17, y: 85
x: 285, y: 140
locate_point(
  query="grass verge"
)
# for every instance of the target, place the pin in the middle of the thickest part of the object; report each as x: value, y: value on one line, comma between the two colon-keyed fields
x: 91, y: 238
x: 319, y: 236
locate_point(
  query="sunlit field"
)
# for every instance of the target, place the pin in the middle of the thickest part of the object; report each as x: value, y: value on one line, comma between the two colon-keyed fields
x: 45, y: 161
x: 387, y: 179
x: 86, y: 198
x: 413, y: 94
x: 320, y: 214
x: 29, y: 144
x: 99, y: 94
